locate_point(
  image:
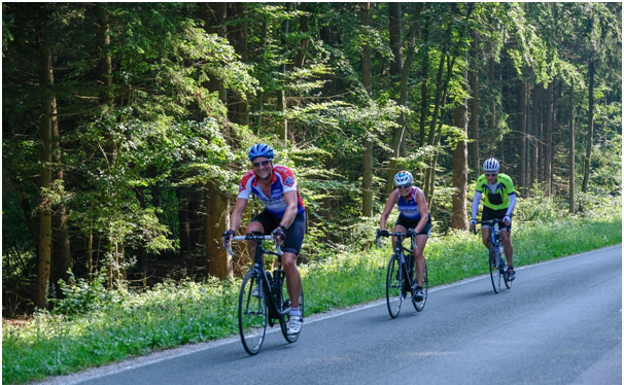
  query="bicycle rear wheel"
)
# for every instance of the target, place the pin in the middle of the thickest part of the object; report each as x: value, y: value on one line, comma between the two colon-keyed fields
x: 494, y: 271
x: 252, y: 314
x: 285, y: 308
x: 395, y: 292
x: 420, y: 305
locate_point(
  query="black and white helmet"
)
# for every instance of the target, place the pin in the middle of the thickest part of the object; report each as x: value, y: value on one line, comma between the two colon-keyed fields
x: 491, y: 165
x: 402, y: 178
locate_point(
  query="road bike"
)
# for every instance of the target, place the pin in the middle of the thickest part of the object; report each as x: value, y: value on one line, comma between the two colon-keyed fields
x: 497, y: 261
x: 263, y: 298
x: 401, y: 278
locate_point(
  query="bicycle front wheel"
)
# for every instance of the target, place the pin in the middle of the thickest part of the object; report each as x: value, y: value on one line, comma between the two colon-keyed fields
x: 395, y: 291
x: 494, y: 271
x: 420, y: 305
x: 252, y: 313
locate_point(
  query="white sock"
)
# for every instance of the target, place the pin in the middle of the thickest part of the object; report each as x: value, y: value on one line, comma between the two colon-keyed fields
x: 294, y: 312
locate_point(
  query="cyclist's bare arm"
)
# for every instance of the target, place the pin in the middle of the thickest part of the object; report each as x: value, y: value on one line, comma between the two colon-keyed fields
x: 290, y: 198
x: 392, y: 200
x: 237, y: 214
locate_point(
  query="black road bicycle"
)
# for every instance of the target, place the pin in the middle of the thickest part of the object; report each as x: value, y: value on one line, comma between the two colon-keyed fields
x: 401, y: 278
x: 497, y: 260
x: 263, y: 298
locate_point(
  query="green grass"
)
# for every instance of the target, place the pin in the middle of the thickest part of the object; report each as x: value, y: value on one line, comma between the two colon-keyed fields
x: 171, y: 315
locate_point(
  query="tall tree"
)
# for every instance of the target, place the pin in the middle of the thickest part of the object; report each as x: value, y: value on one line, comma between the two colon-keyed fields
x: 572, y: 162
x: 474, y: 103
x: 46, y: 81
x: 367, y: 164
x: 459, y: 219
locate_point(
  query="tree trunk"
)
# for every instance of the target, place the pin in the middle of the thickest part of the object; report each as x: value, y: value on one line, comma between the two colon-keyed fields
x: 217, y: 222
x: 434, y: 120
x: 431, y: 171
x: 548, y: 133
x: 398, y: 139
x: 459, y: 219
x: 282, y: 126
x: 590, y: 131
x: 303, y: 45
x: 45, y: 219
x: 572, y: 151
x: 184, y: 222
x: 396, y: 45
x: 367, y: 166
x: 61, y: 257
x: 238, y: 106
x: 534, y: 145
x: 396, y: 40
x: 474, y: 105
x: 523, y: 133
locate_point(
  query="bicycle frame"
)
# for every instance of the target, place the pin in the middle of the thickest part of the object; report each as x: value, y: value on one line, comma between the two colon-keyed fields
x: 271, y: 290
x: 400, y: 279
x: 497, y: 260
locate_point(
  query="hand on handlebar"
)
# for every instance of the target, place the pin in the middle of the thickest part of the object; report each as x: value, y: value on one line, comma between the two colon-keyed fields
x: 227, y: 237
x: 279, y: 236
x: 507, y: 220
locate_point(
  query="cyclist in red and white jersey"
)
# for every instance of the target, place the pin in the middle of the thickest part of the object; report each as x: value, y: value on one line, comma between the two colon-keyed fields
x: 284, y: 217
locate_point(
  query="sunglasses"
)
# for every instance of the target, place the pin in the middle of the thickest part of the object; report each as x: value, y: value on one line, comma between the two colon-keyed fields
x: 261, y: 164
x: 491, y: 174
x: 405, y: 185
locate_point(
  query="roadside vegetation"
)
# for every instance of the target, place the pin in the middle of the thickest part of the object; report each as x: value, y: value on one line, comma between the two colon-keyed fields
x: 94, y: 326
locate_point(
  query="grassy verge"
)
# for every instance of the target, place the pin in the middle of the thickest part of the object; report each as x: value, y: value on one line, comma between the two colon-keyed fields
x: 171, y: 315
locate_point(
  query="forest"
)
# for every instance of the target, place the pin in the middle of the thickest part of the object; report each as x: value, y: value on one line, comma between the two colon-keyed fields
x: 126, y: 126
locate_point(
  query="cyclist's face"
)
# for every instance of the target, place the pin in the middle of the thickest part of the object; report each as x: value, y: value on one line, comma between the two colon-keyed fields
x: 262, y: 167
x: 491, y: 177
x: 405, y: 189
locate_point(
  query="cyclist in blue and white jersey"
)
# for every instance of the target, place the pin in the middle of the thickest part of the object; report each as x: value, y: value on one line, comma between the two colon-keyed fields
x: 412, y: 205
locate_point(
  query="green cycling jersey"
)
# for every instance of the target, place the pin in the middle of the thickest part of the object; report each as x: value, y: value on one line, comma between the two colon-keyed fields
x: 499, y: 199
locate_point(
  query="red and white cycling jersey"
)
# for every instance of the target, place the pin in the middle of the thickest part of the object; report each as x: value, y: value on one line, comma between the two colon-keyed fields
x: 283, y: 182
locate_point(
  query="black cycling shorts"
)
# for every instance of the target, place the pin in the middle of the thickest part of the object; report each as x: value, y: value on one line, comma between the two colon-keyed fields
x: 294, y: 234
x: 411, y: 224
x: 489, y: 213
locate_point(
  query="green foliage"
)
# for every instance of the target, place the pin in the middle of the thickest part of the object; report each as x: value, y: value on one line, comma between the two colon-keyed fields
x: 82, y: 297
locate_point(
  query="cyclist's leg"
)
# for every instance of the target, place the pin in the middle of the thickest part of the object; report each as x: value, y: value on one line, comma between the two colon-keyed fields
x: 485, y: 235
x: 253, y: 227
x: 397, y: 229
x: 506, y: 238
x: 421, y: 241
x: 291, y: 248
x: 293, y: 278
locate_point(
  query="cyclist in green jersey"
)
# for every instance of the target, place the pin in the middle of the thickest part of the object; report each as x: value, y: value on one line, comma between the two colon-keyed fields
x: 499, y: 202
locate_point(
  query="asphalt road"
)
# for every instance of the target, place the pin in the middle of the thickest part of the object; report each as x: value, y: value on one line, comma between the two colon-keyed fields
x: 561, y: 323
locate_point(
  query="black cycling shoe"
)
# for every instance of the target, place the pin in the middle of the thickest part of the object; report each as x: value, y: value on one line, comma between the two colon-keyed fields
x: 511, y: 274
x: 419, y: 294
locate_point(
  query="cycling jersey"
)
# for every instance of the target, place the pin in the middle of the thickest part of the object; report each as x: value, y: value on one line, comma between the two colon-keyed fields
x: 283, y: 182
x: 498, y: 199
x: 409, y: 208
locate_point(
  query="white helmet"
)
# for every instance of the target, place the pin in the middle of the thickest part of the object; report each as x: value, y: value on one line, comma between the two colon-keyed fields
x: 491, y: 165
x: 402, y: 178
